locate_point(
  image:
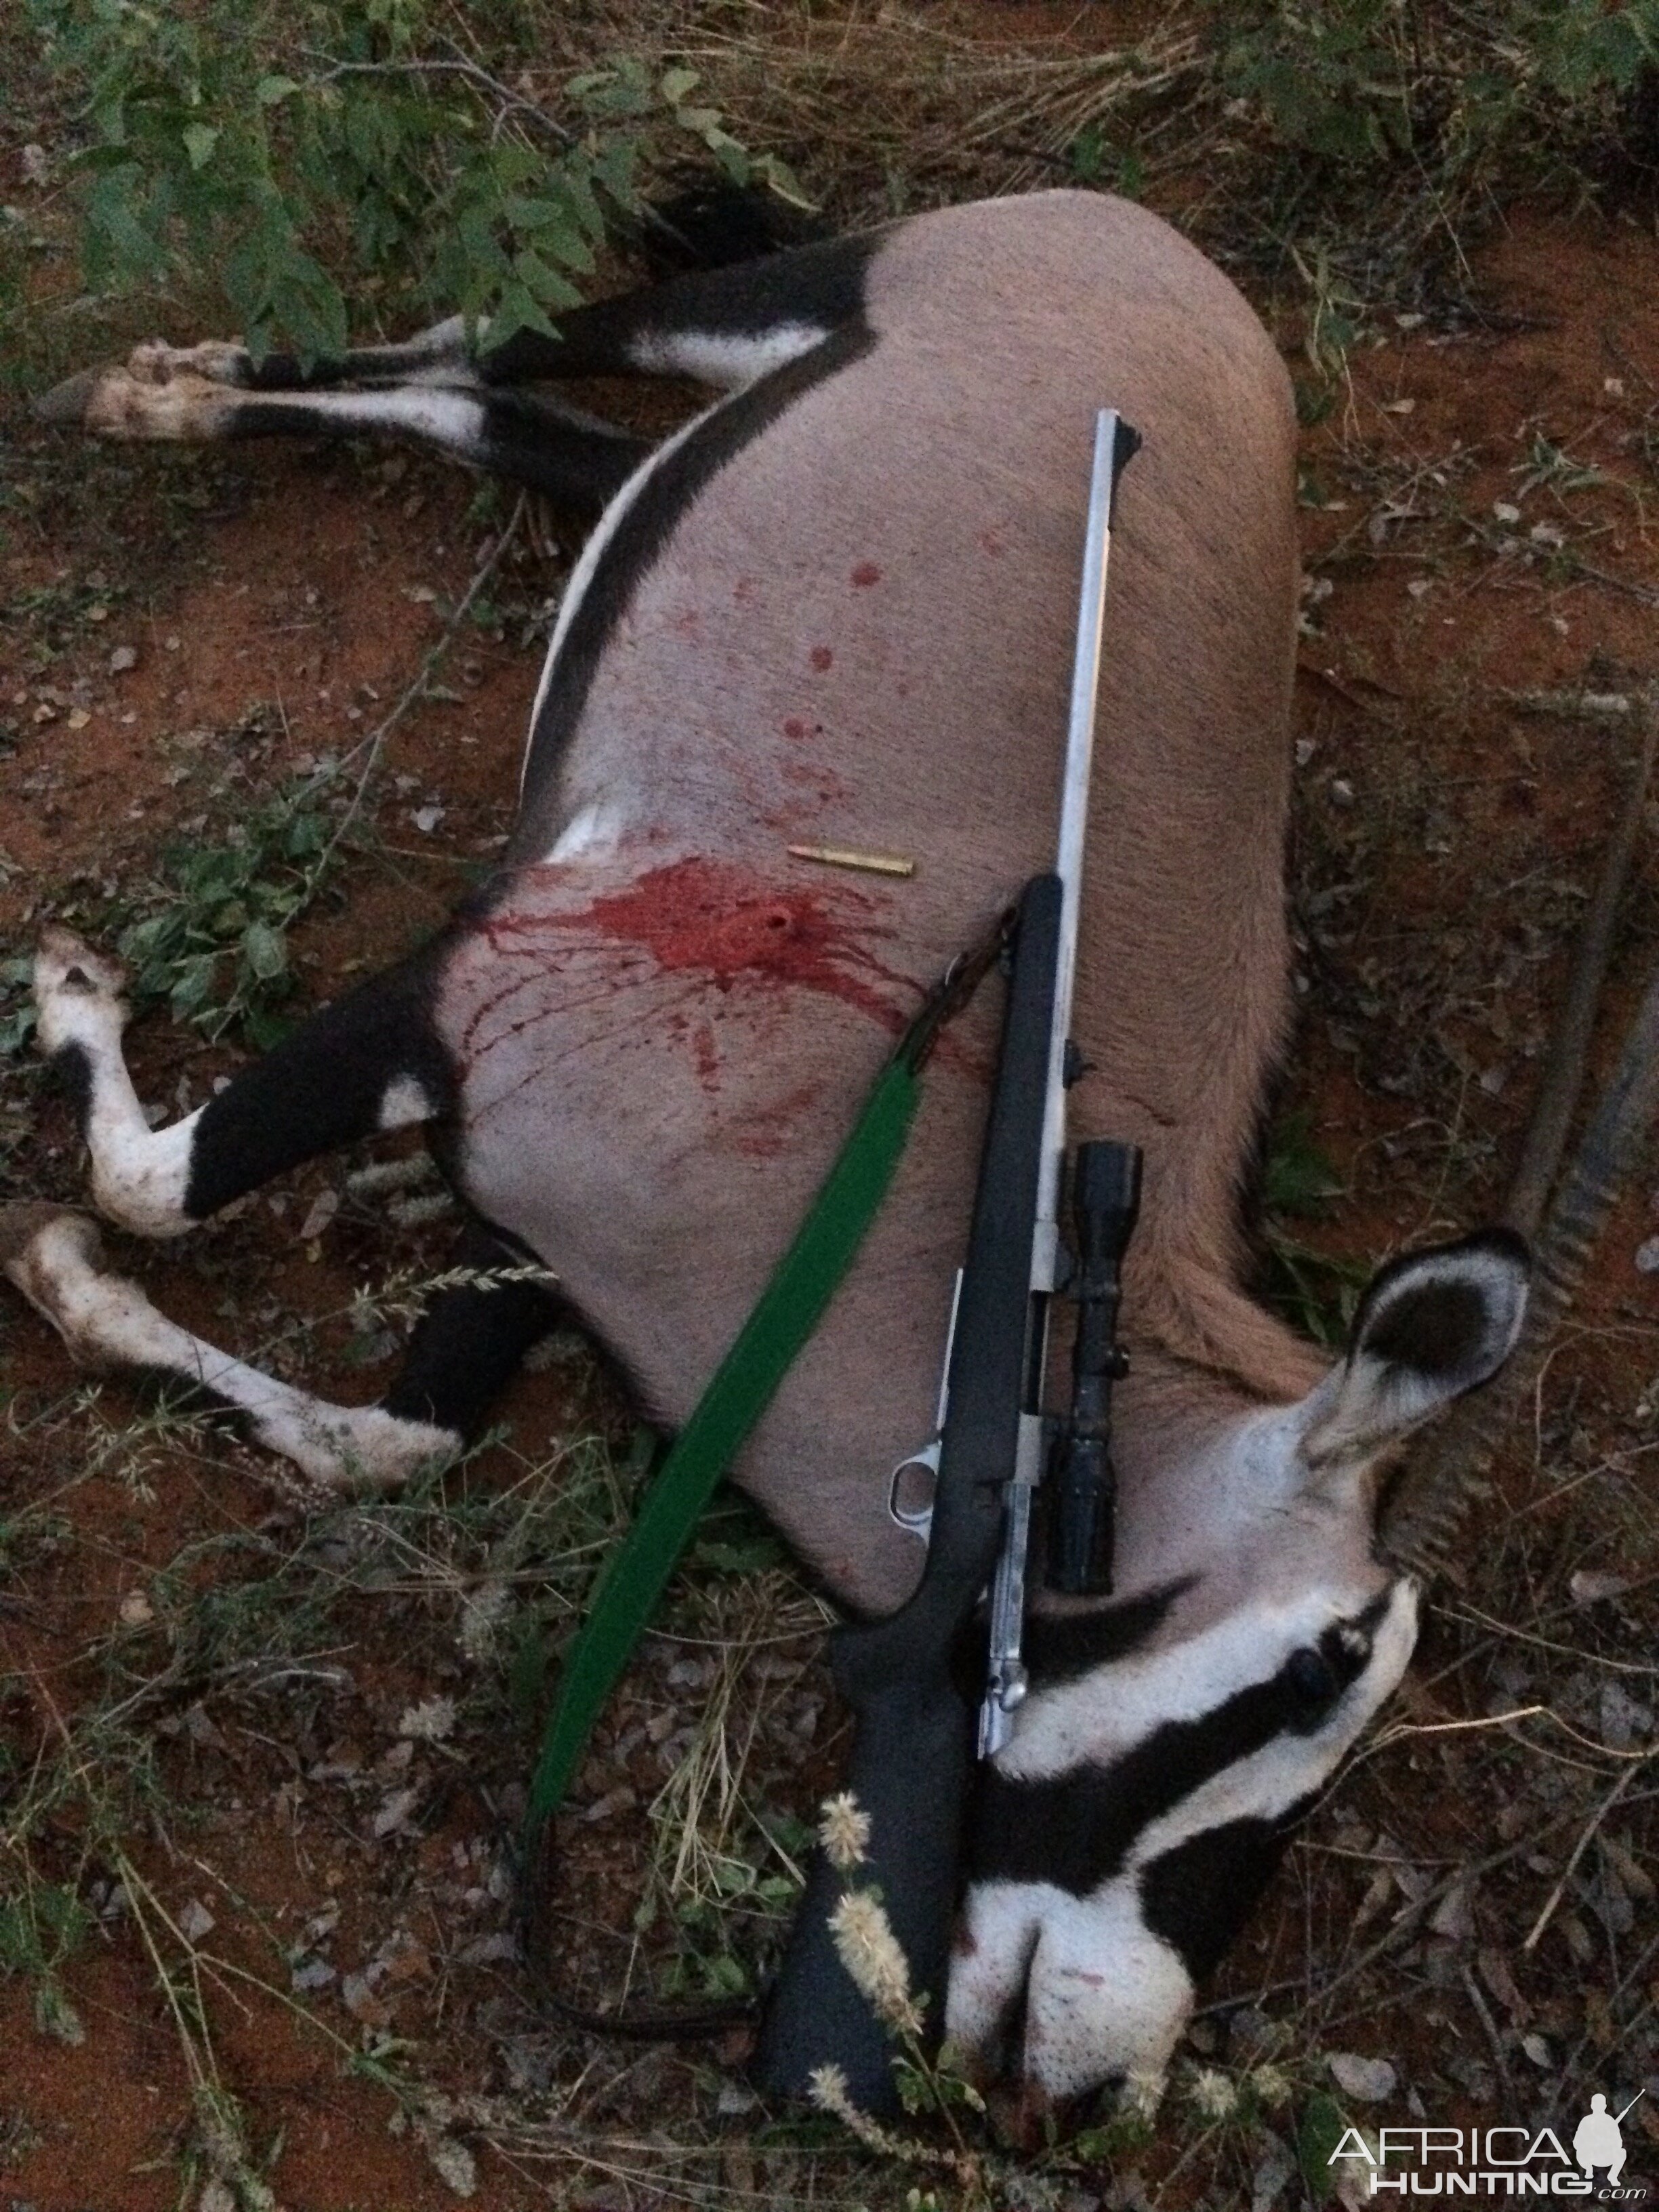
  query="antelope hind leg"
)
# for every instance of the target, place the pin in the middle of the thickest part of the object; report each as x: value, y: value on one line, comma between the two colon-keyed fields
x: 55, y: 1259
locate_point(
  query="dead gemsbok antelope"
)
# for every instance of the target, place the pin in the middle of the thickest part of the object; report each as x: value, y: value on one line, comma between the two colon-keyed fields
x: 835, y: 607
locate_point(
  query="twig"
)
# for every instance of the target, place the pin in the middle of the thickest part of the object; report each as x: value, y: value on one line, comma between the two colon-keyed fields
x: 1573, y: 706
x: 1490, y: 2027
x: 377, y: 736
x: 1594, y: 1821
x: 512, y: 103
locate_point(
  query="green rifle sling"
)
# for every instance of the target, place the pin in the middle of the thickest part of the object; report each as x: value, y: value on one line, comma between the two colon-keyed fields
x: 743, y: 1386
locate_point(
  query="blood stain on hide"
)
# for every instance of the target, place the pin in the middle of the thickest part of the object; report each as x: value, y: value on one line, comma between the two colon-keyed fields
x: 700, y: 916
x: 763, y: 1131
x: 821, y: 658
x: 990, y: 541
x: 864, y: 574
x: 706, y: 1056
x: 794, y: 728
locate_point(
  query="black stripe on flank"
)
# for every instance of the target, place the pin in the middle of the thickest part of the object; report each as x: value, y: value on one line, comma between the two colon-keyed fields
x: 821, y: 285
x: 1076, y: 1830
x: 1059, y: 1646
x: 1197, y: 1896
x: 640, y: 536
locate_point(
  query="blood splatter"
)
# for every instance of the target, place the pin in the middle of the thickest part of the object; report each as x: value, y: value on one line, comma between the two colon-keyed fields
x: 821, y: 658
x: 706, y: 1056
x: 795, y: 728
x: 706, y: 915
x: 864, y: 574
x: 990, y: 541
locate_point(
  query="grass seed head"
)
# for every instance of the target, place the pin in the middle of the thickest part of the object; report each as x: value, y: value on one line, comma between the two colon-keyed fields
x: 844, y: 1831
x: 870, y: 1954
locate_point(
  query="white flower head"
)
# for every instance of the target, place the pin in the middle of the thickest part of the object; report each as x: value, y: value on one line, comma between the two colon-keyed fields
x: 1212, y: 2094
x: 844, y: 1831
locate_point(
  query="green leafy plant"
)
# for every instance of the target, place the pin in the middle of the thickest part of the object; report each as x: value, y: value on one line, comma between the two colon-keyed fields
x: 279, y: 154
x: 215, y: 944
x: 1364, y: 85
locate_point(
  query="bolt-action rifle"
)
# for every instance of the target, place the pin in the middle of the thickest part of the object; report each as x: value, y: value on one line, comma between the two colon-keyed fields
x: 909, y: 1678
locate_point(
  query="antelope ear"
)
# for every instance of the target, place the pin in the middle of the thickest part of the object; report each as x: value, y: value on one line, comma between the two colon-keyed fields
x: 1431, y: 1326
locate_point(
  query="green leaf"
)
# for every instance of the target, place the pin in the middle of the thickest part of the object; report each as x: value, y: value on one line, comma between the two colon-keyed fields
x: 1322, y: 2129
x: 200, y: 139
x: 678, y: 83
x: 265, y: 950
x: 271, y: 90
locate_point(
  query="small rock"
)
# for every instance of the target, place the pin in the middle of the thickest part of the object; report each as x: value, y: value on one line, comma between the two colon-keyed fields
x: 357, y: 1995
x: 734, y: 2099
x: 1544, y: 533
x: 136, y: 1610
x: 122, y: 658
x: 1369, y: 2080
x: 216, y: 2197
x: 395, y: 1811
x: 314, y: 1974
x: 1419, y: 587
x: 1591, y: 1585
x: 35, y: 166
x: 1623, y: 1720
x: 1647, y: 1256
x: 427, y: 818
x: 1538, y: 2050
x: 1273, y: 2169
x: 1454, y: 1916
x: 614, y: 1801
x: 1503, y: 511
x: 321, y: 1211
x: 196, y: 1921
x: 499, y: 1949
x: 1399, y: 406
x: 455, y: 2164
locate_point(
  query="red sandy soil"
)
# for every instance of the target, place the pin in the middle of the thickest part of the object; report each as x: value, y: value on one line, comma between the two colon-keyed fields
x: 1443, y: 814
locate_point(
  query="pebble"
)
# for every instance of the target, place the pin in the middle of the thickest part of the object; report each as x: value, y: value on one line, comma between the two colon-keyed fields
x: 1647, y: 1256
x: 122, y: 658
x: 1368, y: 2081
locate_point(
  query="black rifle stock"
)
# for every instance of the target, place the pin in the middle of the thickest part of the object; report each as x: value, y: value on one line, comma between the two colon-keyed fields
x: 914, y: 1709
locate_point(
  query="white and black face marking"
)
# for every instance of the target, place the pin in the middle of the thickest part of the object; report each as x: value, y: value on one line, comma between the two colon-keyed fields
x: 1127, y: 1829
x: 1103, y: 1891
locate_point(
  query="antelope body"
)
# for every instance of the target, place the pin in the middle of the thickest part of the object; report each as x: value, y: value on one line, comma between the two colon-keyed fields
x: 837, y: 609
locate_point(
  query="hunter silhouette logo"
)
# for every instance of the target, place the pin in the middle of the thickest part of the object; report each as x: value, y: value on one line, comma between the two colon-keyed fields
x: 1598, y: 2141
x: 1506, y: 2161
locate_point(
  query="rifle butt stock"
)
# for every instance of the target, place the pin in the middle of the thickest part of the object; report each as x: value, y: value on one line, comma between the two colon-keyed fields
x: 912, y: 1755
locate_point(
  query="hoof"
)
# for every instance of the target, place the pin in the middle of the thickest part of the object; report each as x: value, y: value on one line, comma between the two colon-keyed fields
x: 67, y: 402
x: 78, y: 994
x: 64, y: 962
x: 215, y: 361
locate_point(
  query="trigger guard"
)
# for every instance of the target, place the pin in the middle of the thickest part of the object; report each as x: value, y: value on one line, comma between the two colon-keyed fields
x: 917, y: 1523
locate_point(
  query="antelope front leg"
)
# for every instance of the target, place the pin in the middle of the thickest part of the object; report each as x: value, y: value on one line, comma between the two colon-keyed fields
x: 140, y: 1177
x: 369, y: 1062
